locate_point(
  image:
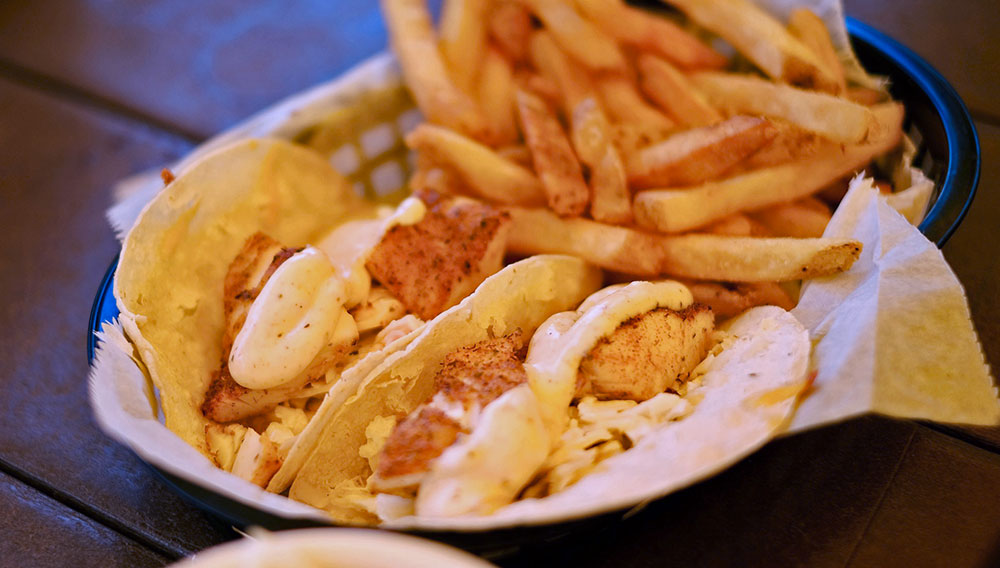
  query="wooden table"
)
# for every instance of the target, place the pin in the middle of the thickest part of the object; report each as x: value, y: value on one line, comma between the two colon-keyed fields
x: 92, y: 91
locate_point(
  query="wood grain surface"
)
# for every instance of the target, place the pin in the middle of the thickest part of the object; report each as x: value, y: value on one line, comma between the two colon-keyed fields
x: 94, y: 90
x: 39, y: 531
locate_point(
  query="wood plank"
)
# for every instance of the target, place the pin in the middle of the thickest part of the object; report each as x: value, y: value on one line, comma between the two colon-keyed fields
x: 803, y: 501
x: 201, y: 66
x: 39, y: 531
x: 953, y: 39
x: 58, y: 163
x: 940, y: 510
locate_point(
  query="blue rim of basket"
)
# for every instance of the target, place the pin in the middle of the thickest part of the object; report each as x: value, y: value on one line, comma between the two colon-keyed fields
x: 962, y: 173
x: 940, y: 222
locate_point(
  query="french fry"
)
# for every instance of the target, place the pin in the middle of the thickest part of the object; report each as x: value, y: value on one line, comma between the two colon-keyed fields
x: 811, y: 31
x: 671, y: 90
x: 752, y: 259
x: 790, y: 143
x: 814, y: 203
x: 510, y: 26
x: 737, y: 225
x: 591, y: 136
x: 625, y: 104
x: 581, y: 39
x: 590, y: 131
x: 652, y: 33
x: 629, y: 138
x: 435, y: 180
x: 480, y: 168
x: 462, y: 34
x: 762, y: 39
x: 731, y: 300
x: 517, y: 153
x: 611, y: 203
x: 552, y: 63
x: 864, y: 96
x: 496, y: 96
x: 553, y: 157
x: 794, y: 219
x: 439, y: 98
x: 837, y: 119
x: 541, y: 86
x: 702, y: 257
x: 679, y: 210
x: 700, y: 154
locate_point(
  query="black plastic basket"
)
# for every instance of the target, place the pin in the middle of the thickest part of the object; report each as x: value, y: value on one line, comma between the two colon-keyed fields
x: 948, y: 152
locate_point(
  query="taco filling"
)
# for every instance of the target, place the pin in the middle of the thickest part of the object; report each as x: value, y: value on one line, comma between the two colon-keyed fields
x: 296, y: 318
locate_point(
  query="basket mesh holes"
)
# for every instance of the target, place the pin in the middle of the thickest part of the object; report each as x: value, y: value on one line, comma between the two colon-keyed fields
x: 409, y: 120
x: 345, y: 160
x: 387, y: 178
x: 378, y: 140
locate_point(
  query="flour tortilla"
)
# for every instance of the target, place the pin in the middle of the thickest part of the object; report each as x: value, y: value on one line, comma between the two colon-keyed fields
x: 169, y: 280
x: 747, y: 394
x: 521, y: 296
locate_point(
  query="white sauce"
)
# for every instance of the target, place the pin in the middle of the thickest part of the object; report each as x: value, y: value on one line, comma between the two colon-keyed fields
x: 290, y: 321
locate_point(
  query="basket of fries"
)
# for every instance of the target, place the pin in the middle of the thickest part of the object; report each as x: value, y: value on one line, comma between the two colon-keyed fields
x: 573, y: 256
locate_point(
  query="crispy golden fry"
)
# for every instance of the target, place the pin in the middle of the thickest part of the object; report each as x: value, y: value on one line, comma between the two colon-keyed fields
x: 510, y: 25
x: 760, y: 37
x: 496, y: 96
x: 816, y: 204
x: 541, y: 86
x: 733, y: 299
x: 652, y: 33
x: 791, y: 143
x: 811, y: 31
x: 590, y: 131
x: 517, y: 153
x: 625, y: 104
x: 793, y: 220
x: 629, y: 138
x: 611, y: 198
x: 571, y: 81
x: 865, y: 96
x: 751, y: 259
x: 700, y: 154
x: 584, y: 41
x: 436, y: 180
x: 540, y: 231
x: 552, y: 156
x: 737, y: 225
x: 679, y: 210
x: 439, y: 98
x: 673, y: 92
x: 703, y: 257
x: 591, y: 135
x: 483, y: 171
x: 462, y: 35
x: 827, y: 115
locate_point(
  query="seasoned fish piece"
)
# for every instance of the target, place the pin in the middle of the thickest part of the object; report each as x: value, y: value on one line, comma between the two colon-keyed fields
x: 248, y: 273
x: 647, y: 353
x: 470, y: 378
x: 225, y: 399
x: 433, y: 264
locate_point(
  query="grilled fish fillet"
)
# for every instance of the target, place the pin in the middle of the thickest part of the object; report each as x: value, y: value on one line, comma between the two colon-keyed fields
x: 433, y: 264
x: 647, y: 353
x: 226, y: 400
x: 470, y: 378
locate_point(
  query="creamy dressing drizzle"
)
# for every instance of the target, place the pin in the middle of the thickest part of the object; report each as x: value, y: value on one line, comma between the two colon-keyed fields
x: 559, y: 345
x: 290, y: 321
x: 303, y: 306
